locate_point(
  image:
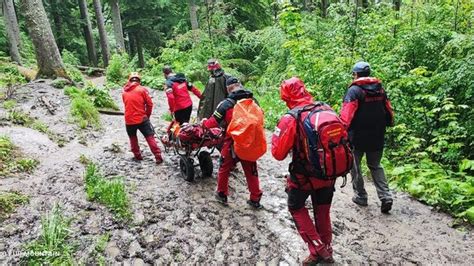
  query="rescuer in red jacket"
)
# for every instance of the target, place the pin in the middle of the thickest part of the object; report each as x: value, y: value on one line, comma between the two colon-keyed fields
x: 177, y: 92
x: 317, y: 235
x: 223, y: 116
x: 138, y: 108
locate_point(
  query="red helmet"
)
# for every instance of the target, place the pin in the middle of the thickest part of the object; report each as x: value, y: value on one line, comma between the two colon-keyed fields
x: 294, y: 93
x: 213, y: 64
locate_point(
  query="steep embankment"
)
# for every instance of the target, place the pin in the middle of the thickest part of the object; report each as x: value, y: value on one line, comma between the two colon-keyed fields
x: 174, y: 220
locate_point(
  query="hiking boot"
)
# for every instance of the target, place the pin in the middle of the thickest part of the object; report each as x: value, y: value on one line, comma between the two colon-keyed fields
x: 311, y: 260
x: 255, y: 204
x: 137, y: 157
x: 359, y: 201
x: 158, y: 158
x: 386, y: 206
x: 221, y: 198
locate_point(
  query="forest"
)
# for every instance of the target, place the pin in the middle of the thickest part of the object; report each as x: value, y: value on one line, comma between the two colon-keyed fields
x: 63, y: 62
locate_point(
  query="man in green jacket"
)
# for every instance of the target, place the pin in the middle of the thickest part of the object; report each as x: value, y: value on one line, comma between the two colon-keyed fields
x: 215, y: 90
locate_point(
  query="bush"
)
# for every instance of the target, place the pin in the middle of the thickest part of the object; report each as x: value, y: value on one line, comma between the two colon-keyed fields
x: 9, y: 75
x: 74, y: 73
x: 118, y: 70
x: 102, y: 98
x: 10, y: 200
x: 84, y: 113
x: 11, y: 161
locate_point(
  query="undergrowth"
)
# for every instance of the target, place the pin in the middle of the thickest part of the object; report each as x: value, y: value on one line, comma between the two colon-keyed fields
x: 110, y: 192
x: 11, y: 160
x: 11, y: 200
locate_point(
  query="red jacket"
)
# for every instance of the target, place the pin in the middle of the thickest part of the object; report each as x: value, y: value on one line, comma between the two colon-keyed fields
x: 367, y: 111
x: 285, y: 138
x: 137, y: 102
x: 178, y: 95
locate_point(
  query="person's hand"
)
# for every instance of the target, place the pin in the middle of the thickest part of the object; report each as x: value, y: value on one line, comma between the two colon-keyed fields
x: 202, y: 122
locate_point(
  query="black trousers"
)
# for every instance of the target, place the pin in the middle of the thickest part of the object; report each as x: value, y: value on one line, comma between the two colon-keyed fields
x: 183, y: 115
x: 145, y: 128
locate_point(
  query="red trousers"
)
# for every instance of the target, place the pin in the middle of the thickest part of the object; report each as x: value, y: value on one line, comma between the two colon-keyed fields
x: 228, y: 162
x: 317, y: 235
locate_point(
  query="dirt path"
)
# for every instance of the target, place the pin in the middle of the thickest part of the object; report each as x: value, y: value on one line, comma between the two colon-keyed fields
x: 177, y: 221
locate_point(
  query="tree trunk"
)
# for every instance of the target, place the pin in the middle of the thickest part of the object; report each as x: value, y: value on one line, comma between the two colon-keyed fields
x: 324, y: 8
x: 13, y: 31
x: 117, y: 21
x: 58, y: 23
x: 104, y: 44
x: 87, y: 28
x: 396, y: 4
x: 141, y: 60
x: 132, y: 45
x: 47, y: 53
x: 193, y: 15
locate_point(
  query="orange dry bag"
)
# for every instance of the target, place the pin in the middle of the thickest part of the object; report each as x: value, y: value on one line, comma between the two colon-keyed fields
x: 246, y: 129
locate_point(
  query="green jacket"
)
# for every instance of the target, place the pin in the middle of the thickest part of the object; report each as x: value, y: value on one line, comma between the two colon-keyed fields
x: 213, y: 94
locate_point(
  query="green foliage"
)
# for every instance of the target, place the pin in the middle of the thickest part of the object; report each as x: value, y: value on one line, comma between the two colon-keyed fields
x: 167, y: 117
x: 111, y: 193
x: 9, y: 75
x: 10, y: 200
x: 69, y: 58
x: 84, y: 113
x: 85, y: 102
x: 428, y: 181
x: 102, y: 98
x: 74, y: 73
x: 11, y: 160
x: 9, y: 104
x: 53, y: 241
x: 118, y: 70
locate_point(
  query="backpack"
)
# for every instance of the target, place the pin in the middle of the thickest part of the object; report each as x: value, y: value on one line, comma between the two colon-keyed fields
x: 323, y: 143
x: 246, y: 129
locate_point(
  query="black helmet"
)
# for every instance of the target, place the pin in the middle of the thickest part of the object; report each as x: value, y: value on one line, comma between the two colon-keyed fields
x: 167, y: 70
x: 362, y: 68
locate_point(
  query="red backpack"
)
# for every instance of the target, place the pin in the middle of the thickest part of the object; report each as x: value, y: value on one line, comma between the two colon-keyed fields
x: 324, y: 144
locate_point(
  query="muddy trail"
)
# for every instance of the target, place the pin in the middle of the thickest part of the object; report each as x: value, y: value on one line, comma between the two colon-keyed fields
x: 178, y: 221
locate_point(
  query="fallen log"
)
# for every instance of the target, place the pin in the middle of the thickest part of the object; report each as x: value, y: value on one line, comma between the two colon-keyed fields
x: 91, y: 70
x: 28, y: 73
x: 110, y: 112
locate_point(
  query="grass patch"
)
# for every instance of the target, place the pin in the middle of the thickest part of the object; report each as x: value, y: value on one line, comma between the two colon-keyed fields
x: 111, y: 193
x: 84, y: 113
x: 11, y: 161
x: 53, y: 246
x: 167, y: 117
x: 9, y: 201
x: 99, y: 248
x: 85, y: 103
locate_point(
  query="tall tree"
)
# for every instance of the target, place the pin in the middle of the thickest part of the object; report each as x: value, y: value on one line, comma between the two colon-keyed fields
x: 13, y: 31
x: 193, y: 14
x: 104, y: 43
x: 324, y: 8
x: 58, y: 23
x: 117, y: 21
x: 47, y: 53
x: 87, y: 28
x: 396, y: 4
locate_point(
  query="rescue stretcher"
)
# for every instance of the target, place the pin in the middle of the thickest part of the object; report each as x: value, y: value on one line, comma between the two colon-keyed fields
x: 187, y: 141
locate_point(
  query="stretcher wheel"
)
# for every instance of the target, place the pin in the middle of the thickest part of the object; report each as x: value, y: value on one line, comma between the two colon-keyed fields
x: 186, y: 165
x: 205, y: 162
